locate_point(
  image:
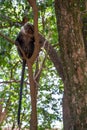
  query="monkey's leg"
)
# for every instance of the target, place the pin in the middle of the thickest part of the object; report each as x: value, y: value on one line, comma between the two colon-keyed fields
x: 21, y: 88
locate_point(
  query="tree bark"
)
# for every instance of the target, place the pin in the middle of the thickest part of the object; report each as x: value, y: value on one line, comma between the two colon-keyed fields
x: 33, y: 87
x: 33, y: 93
x: 74, y: 61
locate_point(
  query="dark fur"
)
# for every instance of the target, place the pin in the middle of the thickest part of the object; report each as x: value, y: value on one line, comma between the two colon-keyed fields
x: 26, y: 40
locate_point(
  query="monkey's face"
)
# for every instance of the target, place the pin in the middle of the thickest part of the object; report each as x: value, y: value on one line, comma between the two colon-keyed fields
x: 29, y: 29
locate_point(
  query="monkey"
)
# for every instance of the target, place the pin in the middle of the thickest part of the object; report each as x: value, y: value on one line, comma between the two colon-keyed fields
x: 25, y: 40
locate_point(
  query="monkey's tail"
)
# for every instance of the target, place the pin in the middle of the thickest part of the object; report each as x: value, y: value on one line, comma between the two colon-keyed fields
x: 21, y: 88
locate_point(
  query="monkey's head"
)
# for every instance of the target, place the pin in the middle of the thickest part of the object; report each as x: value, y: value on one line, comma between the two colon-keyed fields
x: 28, y: 29
x: 26, y: 40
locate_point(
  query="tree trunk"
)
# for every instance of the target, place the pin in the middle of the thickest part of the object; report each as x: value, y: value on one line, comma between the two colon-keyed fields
x: 74, y: 63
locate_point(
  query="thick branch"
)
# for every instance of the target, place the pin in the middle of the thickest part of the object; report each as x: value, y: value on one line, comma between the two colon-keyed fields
x: 32, y: 3
x: 33, y: 92
x: 55, y: 58
x: 33, y: 89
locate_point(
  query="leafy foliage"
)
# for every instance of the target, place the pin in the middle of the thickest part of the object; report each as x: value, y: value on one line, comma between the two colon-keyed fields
x: 50, y: 85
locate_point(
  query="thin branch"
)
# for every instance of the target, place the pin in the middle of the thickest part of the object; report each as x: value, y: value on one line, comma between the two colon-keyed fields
x: 4, y: 113
x: 7, y: 38
x: 12, y: 81
x: 37, y: 76
x: 16, y: 24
